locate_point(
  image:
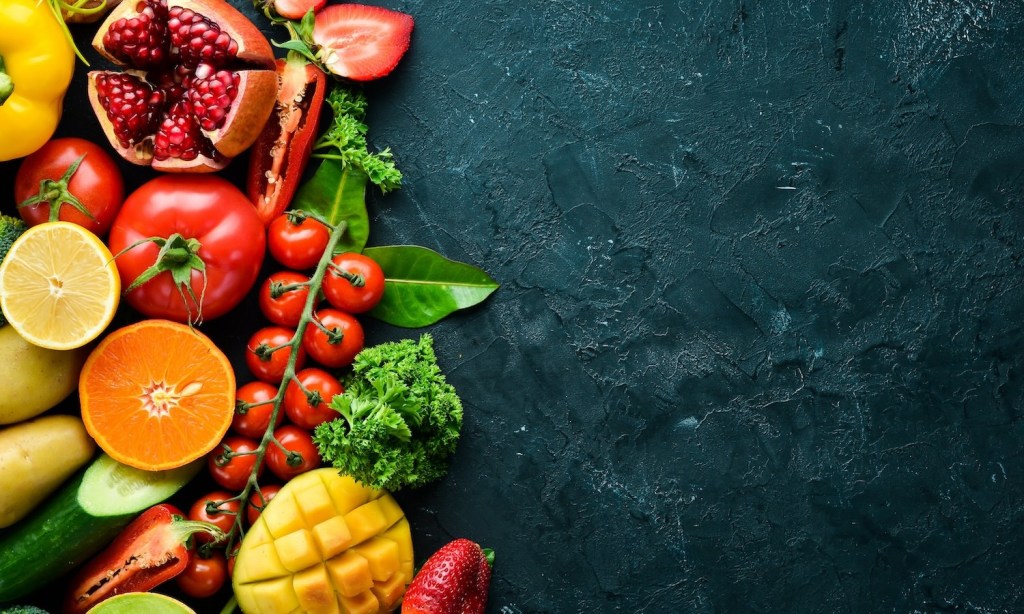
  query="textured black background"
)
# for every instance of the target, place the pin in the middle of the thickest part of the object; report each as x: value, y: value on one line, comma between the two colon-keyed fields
x: 758, y: 344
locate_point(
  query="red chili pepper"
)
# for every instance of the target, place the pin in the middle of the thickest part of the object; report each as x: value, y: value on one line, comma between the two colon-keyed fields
x: 280, y: 153
x: 152, y: 549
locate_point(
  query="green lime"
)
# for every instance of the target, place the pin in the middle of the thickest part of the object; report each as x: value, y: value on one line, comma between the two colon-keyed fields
x: 133, y: 603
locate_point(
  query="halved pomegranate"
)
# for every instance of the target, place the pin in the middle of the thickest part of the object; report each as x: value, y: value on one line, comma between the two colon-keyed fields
x: 199, y: 87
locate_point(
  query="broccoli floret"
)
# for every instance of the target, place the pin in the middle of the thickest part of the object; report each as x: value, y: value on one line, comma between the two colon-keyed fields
x: 10, y: 229
x: 400, y: 418
x: 23, y: 609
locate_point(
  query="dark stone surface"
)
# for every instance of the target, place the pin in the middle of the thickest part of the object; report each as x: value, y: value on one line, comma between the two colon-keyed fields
x: 758, y: 344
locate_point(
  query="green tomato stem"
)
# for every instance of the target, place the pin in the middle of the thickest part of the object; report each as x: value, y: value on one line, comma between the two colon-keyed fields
x: 315, y: 282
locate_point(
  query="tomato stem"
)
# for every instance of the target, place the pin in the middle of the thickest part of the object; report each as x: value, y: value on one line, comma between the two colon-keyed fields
x: 278, y: 288
x: 355, y: 279
x: 315, y: 282
x: 55, y: 192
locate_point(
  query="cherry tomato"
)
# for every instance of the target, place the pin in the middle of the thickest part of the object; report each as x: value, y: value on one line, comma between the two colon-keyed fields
x: 297, y: 242
x: 257, y: 503
x: 223, y: 519
x: 308, y: 412
x: 339, y: 348
x: 255, y: 418
x: 284, y: 308
x: 354, y: 283
x: 202, y: 578
x: 269, y: 365
x: 195, y: 210
x: 234, y: 472
x: 46, y: 178
x: 295, y: 440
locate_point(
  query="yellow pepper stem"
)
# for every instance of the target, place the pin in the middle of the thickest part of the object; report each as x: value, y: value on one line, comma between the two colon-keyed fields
x: 6, y: 84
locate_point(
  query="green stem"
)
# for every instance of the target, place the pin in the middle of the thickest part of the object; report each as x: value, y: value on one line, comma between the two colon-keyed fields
x: 6, y: 84
x: 55, y: 7
x: 231, y: 605
x: 315, y: 282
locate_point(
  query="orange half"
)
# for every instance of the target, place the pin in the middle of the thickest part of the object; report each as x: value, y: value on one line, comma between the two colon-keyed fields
x: 157, y: 395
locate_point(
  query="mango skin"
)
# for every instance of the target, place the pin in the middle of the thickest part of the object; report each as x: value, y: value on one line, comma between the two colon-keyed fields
x: 34, y: 379
x: 35, y: 458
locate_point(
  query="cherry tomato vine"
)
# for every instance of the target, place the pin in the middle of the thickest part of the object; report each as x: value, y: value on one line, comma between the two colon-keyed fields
x: 251, y: 488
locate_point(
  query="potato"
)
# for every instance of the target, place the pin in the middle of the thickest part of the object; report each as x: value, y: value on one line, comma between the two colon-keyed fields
x: 35, y: 458
x: 34, y: 379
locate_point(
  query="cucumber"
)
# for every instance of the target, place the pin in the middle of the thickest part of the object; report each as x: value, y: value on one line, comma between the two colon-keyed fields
x: 79, y: 521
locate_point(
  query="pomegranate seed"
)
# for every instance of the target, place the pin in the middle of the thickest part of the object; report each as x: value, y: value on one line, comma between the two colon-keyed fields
x: 132, y: 106
x: 140, y: 40
x: 178, y: 136
x: 212, y: 94
x: 197, y: 39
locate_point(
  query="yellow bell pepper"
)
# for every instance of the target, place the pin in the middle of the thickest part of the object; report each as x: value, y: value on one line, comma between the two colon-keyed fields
x: 36, y: 64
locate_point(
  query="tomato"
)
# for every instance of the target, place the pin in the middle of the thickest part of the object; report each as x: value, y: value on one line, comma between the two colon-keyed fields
x: 354, y: 283
x: 234, y: 472
x: 223, y: 519
x: 308, y: 412
x: 339, y: 348
x: 284, y: 309
x: 202, y: 217
x: 88, y: 195
x: 255, y: 418
x: 203, y: 578
x: 295, y: 440
x: 297, y: 241
x: 257, y: 503
x: 264, y: 361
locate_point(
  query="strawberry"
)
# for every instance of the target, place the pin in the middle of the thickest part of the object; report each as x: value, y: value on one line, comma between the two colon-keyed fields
x: 454, y: 580
x: 361, y: 42
x: 296, y: 9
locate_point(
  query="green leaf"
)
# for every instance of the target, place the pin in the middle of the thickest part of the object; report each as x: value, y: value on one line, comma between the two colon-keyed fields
x: 422, y: 286
x: 337, y: 193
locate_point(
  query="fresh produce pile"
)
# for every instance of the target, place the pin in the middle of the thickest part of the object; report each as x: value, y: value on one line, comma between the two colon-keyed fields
x: 109, y: 298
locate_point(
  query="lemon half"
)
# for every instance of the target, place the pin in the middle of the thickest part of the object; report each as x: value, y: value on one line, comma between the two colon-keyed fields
x: 59, y: 287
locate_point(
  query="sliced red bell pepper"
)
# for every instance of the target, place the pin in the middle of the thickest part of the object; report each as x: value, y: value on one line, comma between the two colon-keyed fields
x: 279, y: 155
x: 152, y: 549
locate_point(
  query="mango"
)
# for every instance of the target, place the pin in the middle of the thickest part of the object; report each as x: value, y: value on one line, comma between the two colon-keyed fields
x: 324, y: 544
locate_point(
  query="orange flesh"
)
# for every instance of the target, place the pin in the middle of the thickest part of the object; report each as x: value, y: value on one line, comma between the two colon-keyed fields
x: 157, y: 395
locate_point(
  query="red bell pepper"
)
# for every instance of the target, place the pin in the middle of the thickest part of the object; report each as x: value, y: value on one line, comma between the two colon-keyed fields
x: 152, y: 549
x: 282, y: 150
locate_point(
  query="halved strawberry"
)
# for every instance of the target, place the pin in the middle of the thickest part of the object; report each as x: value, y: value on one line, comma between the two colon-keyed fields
x: 296, y: 9
x: 361, y: 42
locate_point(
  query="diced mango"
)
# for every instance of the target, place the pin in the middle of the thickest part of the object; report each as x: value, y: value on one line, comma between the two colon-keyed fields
x: 316, y: 504
x: 350, y: 573
x: 314, y: 590
x: 399, y: 533
x: 366, y: 521
x: 390, y: 509
x: 263, y: 564
x: 297, y: 550
x: 347, y: 494
x: 390, y: 593
x: 273, y: 596
x: 332, y: 536
x: 382, y: 555
x: 363, y: 603
x: 325, y: 544
x: 284, y: 518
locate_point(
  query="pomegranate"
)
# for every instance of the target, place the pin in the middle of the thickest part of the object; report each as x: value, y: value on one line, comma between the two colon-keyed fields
x: 199, y: 86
